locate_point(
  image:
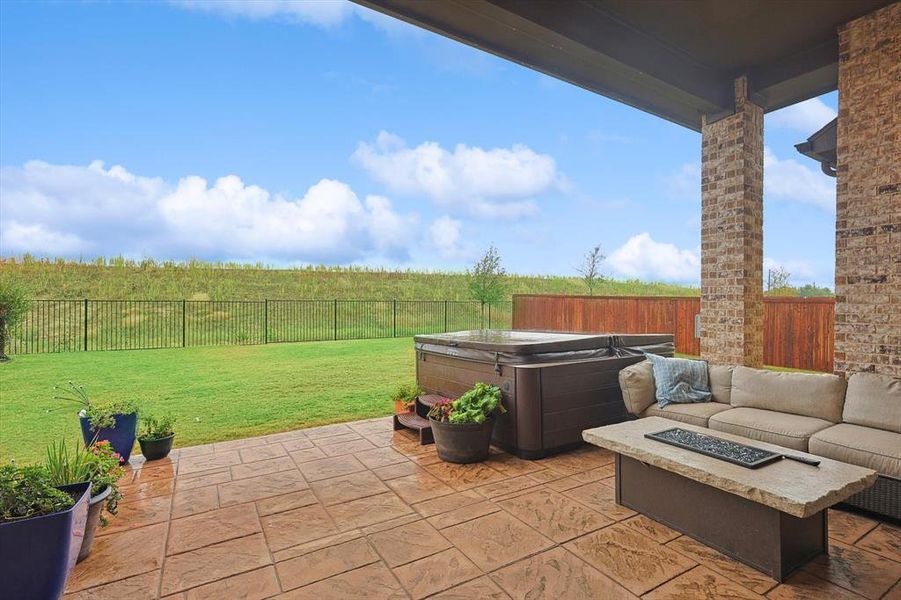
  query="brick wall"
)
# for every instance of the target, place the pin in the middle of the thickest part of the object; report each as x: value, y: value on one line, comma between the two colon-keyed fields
x: 732, y: 235
x: 868, y: 219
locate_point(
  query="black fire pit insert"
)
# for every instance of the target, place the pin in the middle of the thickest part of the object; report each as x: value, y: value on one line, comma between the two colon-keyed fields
x: 733, y: 452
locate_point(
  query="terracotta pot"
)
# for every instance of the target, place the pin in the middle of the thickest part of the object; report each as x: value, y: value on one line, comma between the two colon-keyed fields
x: 402, y: 406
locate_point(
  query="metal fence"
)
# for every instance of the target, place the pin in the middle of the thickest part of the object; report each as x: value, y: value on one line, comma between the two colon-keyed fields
x: 83, y: 325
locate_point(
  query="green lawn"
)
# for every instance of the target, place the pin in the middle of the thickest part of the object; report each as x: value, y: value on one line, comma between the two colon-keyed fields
x: 216, y: 393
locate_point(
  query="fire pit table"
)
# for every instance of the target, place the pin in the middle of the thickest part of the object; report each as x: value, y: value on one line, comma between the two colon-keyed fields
x: 772, y: 517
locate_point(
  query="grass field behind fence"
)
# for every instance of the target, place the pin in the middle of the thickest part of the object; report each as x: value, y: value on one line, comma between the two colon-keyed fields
x: 119, y: 279
x: 217, y: 393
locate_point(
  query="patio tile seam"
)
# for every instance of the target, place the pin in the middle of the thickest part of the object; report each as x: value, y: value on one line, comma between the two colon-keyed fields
x: 272, y: 562
x: 159, y: 583
x: 241, y: 571
x: 814, y: 572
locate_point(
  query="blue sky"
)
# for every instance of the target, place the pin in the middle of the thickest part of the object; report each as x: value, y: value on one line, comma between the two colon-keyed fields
x: 307, y: 133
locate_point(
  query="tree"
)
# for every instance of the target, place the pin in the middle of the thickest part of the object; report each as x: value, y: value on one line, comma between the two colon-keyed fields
x: 777, y: 279
x: 590, y: 269
x: 13, y: 306
x: 487, y: 279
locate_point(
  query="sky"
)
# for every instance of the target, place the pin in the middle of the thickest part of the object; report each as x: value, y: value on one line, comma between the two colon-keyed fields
x: 299, y: 133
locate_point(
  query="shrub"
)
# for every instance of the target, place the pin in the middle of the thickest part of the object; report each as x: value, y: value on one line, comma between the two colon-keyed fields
x: 98, y: 464
x: 27, y: 492
x: 406, y: 393
x: 153, y: 428
x: 13, y: 306
x: 100, y: 415
x: 475, y: 406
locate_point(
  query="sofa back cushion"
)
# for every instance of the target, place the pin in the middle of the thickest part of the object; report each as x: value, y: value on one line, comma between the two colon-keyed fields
x: 721, y: 382
x: 873, y: 401
x: 637, y: 383
x: 807, y: 394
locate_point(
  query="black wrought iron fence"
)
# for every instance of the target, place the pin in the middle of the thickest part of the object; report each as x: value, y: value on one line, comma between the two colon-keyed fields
x: 83, y: 325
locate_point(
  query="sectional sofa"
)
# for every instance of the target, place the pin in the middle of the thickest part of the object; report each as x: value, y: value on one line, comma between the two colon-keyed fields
x: 856, y: 421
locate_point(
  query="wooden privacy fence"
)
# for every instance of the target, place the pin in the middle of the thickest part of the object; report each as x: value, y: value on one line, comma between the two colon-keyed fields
x: 797, y: 332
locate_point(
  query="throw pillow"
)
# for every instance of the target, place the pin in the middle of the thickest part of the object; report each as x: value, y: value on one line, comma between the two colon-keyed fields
x: 680, y: 380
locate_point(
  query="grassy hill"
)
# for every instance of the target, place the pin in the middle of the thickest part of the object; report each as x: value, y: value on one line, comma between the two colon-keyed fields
x: 130, y: 280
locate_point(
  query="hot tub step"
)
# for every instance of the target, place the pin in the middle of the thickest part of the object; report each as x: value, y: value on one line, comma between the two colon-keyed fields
x: 418, y: 424
x: 425, y: 403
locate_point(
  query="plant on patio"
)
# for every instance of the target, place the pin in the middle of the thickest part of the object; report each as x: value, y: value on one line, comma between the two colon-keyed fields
x: 115, y: 421
x: 404, y: 397
x: 41, y: 530
x: 156, y: 436
x: 99, y: 465
x: 463, y: 427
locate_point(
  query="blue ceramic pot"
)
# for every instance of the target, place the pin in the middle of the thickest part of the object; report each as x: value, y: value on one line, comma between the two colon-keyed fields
x: 122, y: 436
x: 37, y: 554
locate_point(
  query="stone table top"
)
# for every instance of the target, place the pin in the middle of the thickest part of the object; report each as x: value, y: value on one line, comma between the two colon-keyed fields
x: 786, y: 485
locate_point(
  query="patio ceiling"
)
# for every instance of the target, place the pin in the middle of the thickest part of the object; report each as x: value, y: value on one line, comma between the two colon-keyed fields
x: 677, y: 60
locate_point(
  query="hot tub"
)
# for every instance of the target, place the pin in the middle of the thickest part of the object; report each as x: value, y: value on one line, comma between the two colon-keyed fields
x: 554, y: 385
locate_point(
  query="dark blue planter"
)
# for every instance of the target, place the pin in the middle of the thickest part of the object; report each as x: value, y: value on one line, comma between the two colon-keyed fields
x: 122, y: 436
x: 37, y: 554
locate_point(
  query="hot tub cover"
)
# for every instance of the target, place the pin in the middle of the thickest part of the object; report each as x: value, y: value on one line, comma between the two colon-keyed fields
x: 520, y: 347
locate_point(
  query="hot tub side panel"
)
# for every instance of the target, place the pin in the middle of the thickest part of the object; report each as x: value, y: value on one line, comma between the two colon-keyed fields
x: 578, y: 396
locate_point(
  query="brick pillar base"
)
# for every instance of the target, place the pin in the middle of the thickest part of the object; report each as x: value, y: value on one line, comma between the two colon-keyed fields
x: 732, y: 235
x: 868, y: 209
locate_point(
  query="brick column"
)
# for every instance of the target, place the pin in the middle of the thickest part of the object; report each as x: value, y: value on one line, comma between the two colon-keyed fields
x: 732, y: 235
x: 868, y: 208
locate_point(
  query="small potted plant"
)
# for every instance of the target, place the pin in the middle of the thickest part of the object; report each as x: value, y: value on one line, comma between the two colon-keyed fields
x: 41, y: 529
x: 463, y: 427
x: 404, y: 398
x: 98, y: 464
x: 115, y: 422
x: 156, y: 436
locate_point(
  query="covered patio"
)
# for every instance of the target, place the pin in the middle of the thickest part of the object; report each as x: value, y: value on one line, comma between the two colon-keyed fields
x: 357, y: 510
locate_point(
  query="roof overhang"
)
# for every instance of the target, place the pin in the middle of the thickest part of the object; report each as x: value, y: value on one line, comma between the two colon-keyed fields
x: 821, y: 147
x: 675, y: 59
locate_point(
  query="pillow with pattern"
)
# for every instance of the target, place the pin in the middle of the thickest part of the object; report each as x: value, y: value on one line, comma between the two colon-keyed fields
x: 680, y: 380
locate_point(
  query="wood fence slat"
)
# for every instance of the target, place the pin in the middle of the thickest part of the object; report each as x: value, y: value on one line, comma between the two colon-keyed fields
x: 797, y: 332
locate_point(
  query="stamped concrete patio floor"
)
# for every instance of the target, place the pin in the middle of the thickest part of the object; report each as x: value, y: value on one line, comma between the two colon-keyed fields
x: 359, y: 511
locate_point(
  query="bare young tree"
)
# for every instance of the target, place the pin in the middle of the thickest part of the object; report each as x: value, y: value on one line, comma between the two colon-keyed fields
x: 777, y: 279
x: 590, y: 269
x: 487, y: 279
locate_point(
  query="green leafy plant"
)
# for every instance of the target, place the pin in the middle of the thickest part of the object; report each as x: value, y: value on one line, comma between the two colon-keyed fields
x: 98, y: 464
x: 404, y: 396
x: 488, y: 279
x: 100, y: 415
x: 475, y: 406
x: 27, y: 492
x: 156, y: 428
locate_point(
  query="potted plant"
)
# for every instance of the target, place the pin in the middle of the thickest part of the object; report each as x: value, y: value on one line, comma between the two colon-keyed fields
x: 41, y: 528
x: 156, y: 436
x: 115, y: 422
x: 463, y: 427
x: 98, y: 464
x: 404, y: 398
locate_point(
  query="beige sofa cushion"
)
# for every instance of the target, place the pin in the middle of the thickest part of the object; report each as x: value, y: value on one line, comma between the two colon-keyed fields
x: 811, y: 395
x: 637, y: 383
x: 720, y: 382
x: 877, y: 449
x: 783, y: 429
x: 873, y: 401
x: 693, y: 413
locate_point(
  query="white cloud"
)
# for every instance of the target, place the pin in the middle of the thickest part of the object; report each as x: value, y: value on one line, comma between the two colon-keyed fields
x: 445, y: 236
x: 685, y: 182
x: 322, y: 13
x: 807, y: 116
x: 642, y: 257
x: 789, y: 180
x: 500, y: 182
x: 70, y: 210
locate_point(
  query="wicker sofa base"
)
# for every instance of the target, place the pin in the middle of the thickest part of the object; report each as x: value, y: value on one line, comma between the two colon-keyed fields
x: 883, y: 497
